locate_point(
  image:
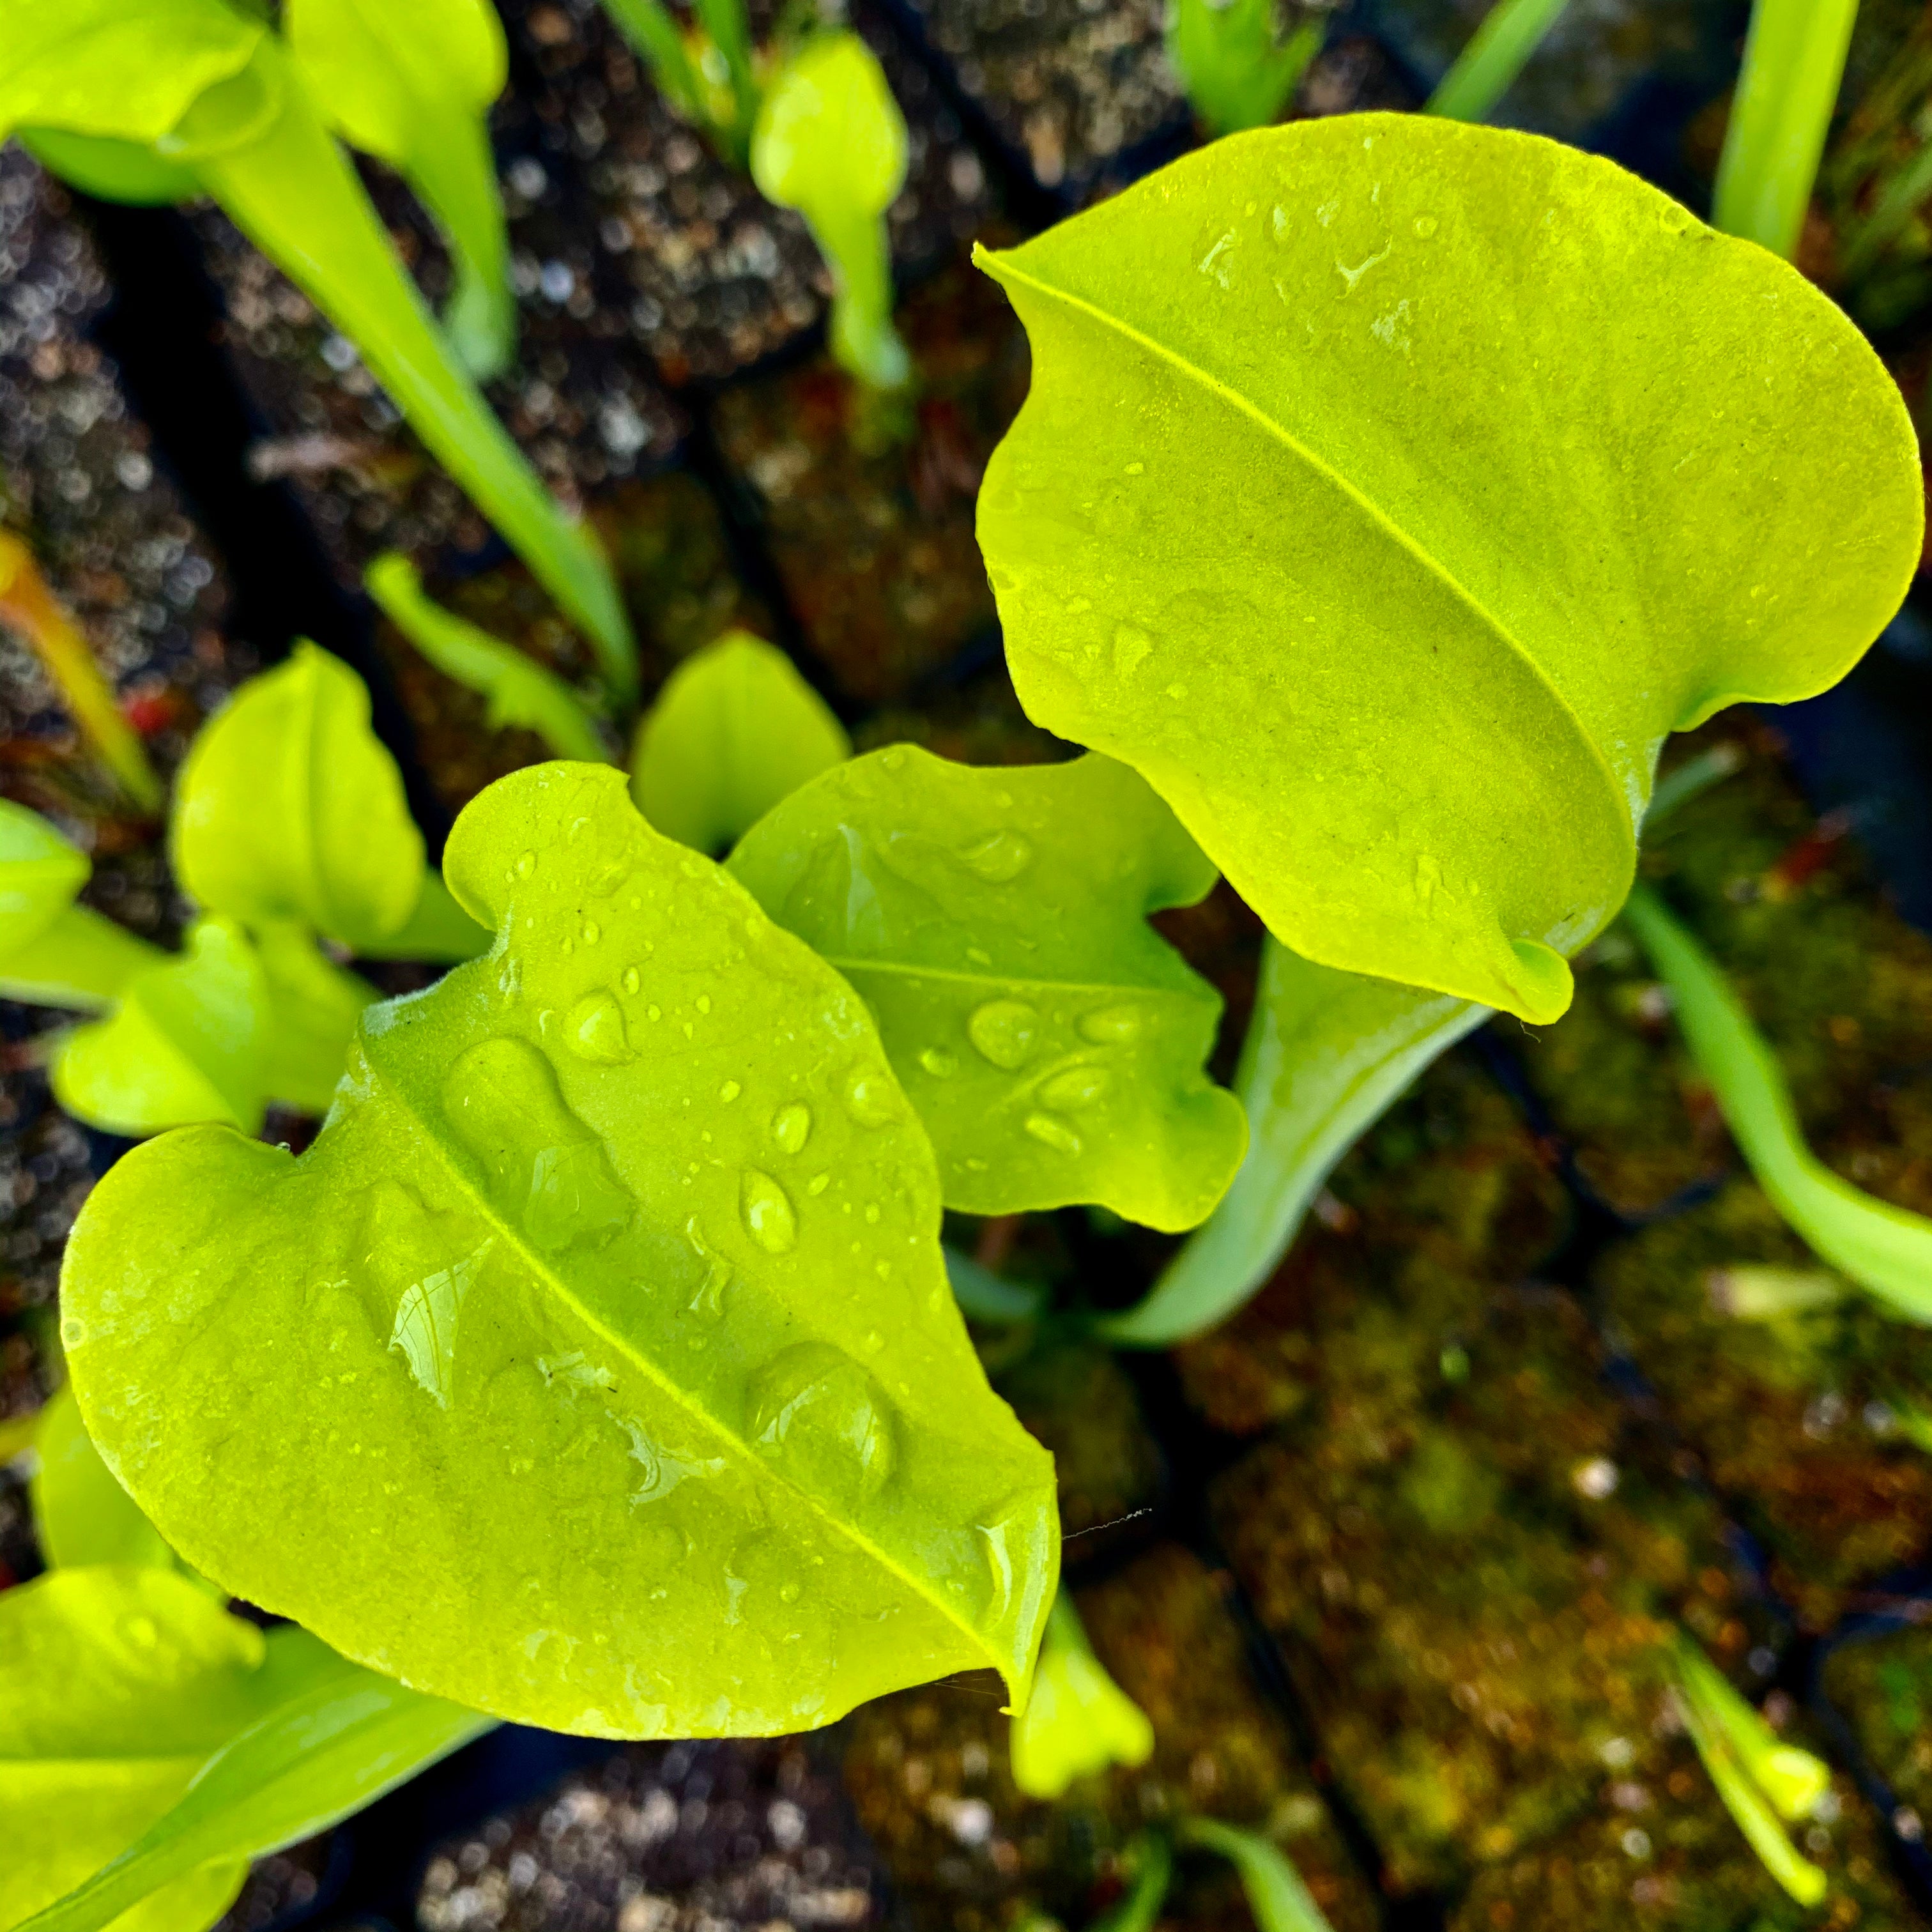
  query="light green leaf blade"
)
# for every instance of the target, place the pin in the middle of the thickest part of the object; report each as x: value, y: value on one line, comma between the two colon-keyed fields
x: 733, y: 731
x: 520, y: 690
x: 1078, y: 1720
x: 439, y: 929
x: 97, y: 164
x: 40, y: 874
x: 185, y: 1043
x: 81, y: 960
x: 333, y: 1743
x: 81, y: 1514
x: 1326, y: 1053
x: 1236, y: 75
x: 116, y: 1684
x: 1886, y: 1249
x: 130, y: 68
x: 1279, y: 1899
x: 994, y: 923
x: 1387, y: 491
x: 374, y: 71
x: 313, y: 1008
x: 289, y: 807
x: 607, y: 1315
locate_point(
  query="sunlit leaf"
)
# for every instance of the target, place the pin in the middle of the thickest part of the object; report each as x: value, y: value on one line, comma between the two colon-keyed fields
x: 53, y: 952
x: 313, y: 1007
x: 734, y: 730
x: 596, y: 1367
x: 995, y: 921
x: 1388, y: 488
x: 186, y: 1042
x: 1079, y: 1720
x: 289, y: 807
x: 81, y: 1514
x: 1326, y: 1053
x: 40, y: 874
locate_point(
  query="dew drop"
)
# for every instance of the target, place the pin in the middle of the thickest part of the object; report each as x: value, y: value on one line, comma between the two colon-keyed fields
x: 871, y: 1213
x: 768, y: 1214
x: 826, y: 1416
x: 595, y: 1030
x: 631, y: 980
x: 940, y: 1064
x: 141, y: 1633
x: 1112, y: 1026
x: 1005, y: 1032
x: 427, y: 1317
x: 870, y: 1098
x: 709, y: 1300
x: 526, y: 864
x: 999, y: 858
x: 1425, y: 226
x: 1051, y: 1131
x: 1077, y: 1087
x: 791, y: 1126
x: 817, y: 1184
x: 730, y: 1091
x: 1013, y: 1541
x: 654, y: 1012
x: 704, y: 1002
x: 1131, y: 647
x: 592, y: 932
x: 893, y: 759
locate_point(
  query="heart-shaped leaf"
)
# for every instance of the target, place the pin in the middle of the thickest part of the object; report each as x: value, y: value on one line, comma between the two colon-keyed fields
x: 602, y: 1339
x: 40, y: 874
x: 1388, y: 488
x: 995, y: 923
x: 734, y: 729
x: 52, y: 951
x: 289, y: 807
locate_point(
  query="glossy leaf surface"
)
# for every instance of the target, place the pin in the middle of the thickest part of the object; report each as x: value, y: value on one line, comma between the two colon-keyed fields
x: 289, y: 807
x: 1388, y: 488
x: 733, y: 731
x: 1326, y: 1053
x: 81, y: 1514
x: 116, y: 1684
x: 186, y: 1042
x: 334, y: 1740
x: 126, y: 68
x: 604, y: 1328
x: 994, y: 923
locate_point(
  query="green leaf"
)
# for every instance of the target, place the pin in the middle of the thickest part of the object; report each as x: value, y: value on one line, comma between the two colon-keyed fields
x: 1326, y: 1053
x: 1225, y: 52
x: 1079, y: 1720
x: 1887, y: 1250
x: 994, y: 923
x: 439, y: 929
x: 290, y: 807
x: 97, y: 164
x: 116, y: 1685
x: 520, y: 690
x: 1277, y: 1896
x: 830, y: 141
x: 130, y: 68
x: 1496, y: 53
x: 39, y: 875
x: 734, y: 729
x: 335, y: 1740
x: 313, y: 1007
x: 81, y: 1514
x: 81, y: 960
x: 185, y: 1043
x: 1388, y: 488
x: 606, y: 1317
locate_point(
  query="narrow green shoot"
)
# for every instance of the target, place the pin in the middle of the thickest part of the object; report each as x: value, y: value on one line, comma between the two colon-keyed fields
x: 830, y: 142
x: 1765, y: 1782
x: 1886, y: 1250
x: 706, y: 72
x: 1078, y: 1720
x: 1236, y: 74
x: 1678, y: 788
x: 1151, y: 1859
x: 1794, y: 59
x: 1498, y: 51
x: 518, y: 690
x: 1276, y: 1895
x: 986, y: 1297
x: 29, y: 608
x: 413, y: 89
x: 730, y: 35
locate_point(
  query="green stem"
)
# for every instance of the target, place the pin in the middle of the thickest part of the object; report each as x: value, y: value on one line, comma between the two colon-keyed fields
x: 81, y: 961
x: 1885, y: 1249
x: 519, y: 690
x: 1278, y: 1899
x: 1794, y: 59
x: 655, y: 38
x: 1498, y: 51
x: 1676, y: 789
x: 452, y: 171
x: 1153, y: 1872
x: 864, y: 342
x: 724, y: 21
x: 293, y: 193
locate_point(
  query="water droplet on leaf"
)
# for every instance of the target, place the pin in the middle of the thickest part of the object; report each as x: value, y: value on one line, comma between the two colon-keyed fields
x: 999, y: 858
x: 940, y: 1064
x: 791, y: 1126
x: 1131, y: 645
x: 1051, y: 1131
x: 1077, y: 1087
x: 730, y: 1091
x: 832, y: 1423
x: 526, y: 864
x: 767, y: 1210
x: 1005, y: 1031
x: 870, y: 1097
x: 632, y: 981
x: 1112, y: 1026
x: 595, y: 1030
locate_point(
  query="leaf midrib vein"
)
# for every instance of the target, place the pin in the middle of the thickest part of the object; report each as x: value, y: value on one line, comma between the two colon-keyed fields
x: 990, y: 976
x: 1372, y: 510
x: 651, y: 1373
